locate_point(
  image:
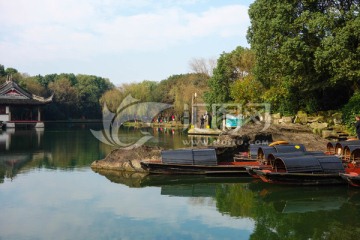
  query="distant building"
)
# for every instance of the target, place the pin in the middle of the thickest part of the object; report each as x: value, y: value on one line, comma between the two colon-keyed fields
x: 18, y: 106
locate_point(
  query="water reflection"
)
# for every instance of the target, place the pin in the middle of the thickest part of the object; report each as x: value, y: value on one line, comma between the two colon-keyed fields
x: 307, y: 199
x: 25, y: 149
x: 76, y: 203
x: 19, y: 148
x: 279, y: 212
x: 141, y: 180
x: 69, y: 145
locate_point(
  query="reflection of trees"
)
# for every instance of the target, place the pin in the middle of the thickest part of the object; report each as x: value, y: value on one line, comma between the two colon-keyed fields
x: 75, y: 148
x: 65, y: 148
x: 10, y: 164
x: 201, y: 201
x: 235, y: 200
x: 239, y: 200
x: 317, y: 213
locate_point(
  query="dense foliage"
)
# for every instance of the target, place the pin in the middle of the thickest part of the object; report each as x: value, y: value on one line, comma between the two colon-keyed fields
x: 231, y: 69
x: 307, y: 52
x: 75, y: 96
x: 350, y: 110
x: 83, y: 96
x: 177, y: 90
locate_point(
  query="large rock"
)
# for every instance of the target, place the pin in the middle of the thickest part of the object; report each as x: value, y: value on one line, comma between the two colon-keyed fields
x: 315, y: 119
x: 301, y: 117
x: 286, y: 119
x: 128, y: 160
x: 317, y: 125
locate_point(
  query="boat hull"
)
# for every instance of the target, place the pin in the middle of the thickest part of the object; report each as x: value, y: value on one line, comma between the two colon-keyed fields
x: 163, y: 168
x: 304, y: 179
x: 352, y: 179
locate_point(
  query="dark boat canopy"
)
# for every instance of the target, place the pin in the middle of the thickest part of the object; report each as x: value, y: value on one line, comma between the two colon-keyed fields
x: 340, y: 146
x: 349, y: 150
x: 272, y: 156
x: 253, y: 150
x: 290, y: 148
x: 190, y: 156
x: 330, y: 147
x: 309, y: 164
x: 265, y: 151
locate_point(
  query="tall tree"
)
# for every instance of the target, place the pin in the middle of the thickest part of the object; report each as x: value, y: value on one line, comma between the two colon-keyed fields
x: 2, y: 71
x: 230, y: 67
x: 90, y: 89
x: 65, y: 100
x: 293, y: 43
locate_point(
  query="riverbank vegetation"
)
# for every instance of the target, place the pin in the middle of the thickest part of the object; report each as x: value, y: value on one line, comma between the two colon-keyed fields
x: 303, y: 56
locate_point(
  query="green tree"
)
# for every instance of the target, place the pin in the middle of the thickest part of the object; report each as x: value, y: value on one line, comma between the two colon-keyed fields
x: 230, y: 68
x: 47, y: 79
x: 112, y: 98
x: 339, y: 53
x: 2, y: 71
x: 2, y: 74
x: 89, y: 89
x: 292, y: 41
x: 10, y: 71
x: 33, y: 85
x: 247, y: 90
x: 65, y: 103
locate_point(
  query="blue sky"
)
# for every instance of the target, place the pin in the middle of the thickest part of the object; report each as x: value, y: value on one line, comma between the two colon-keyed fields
x: 123, y: 40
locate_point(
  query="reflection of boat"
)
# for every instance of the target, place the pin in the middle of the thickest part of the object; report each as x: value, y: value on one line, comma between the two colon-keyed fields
x: 305, y: 199
x: 350, y: 153
x: 195, y: 161
x: 139, y: 180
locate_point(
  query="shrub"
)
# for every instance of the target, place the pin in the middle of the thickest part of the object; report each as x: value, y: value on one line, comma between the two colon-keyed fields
x: 350, y: 110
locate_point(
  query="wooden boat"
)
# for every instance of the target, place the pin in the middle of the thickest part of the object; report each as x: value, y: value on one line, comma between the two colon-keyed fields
x: 195, y: 161
x: 341, y: 145
x: 351, y: 158
x: 266, y: 155
x: 304, y: 170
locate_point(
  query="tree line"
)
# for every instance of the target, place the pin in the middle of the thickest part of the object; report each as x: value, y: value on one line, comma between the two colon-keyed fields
x: 84, y: 96
x: 74, y: 96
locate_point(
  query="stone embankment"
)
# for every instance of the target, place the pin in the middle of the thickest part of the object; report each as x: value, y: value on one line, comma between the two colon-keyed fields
x: 326, y: 124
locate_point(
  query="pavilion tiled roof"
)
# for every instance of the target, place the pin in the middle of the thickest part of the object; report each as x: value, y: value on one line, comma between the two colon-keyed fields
x: 12, y: 94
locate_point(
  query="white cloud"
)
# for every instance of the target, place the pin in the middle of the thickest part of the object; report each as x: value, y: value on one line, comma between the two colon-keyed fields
x: 63, y: 29
x: 115, y: 38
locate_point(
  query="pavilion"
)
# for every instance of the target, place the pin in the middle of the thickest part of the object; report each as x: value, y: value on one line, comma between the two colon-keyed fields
x: 20, y: 107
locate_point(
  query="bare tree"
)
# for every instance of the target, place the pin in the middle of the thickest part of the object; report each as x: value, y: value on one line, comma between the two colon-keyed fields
x: 202, y: 65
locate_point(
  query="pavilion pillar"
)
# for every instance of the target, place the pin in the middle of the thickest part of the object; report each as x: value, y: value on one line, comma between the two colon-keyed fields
x: 8, y: 112
x: 39, y: 114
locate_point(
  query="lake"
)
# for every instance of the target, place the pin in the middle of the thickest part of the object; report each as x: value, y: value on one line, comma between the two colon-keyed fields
x: 49, y: 191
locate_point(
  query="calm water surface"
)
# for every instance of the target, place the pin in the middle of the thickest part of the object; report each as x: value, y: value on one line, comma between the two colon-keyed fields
x: 48, y: 191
